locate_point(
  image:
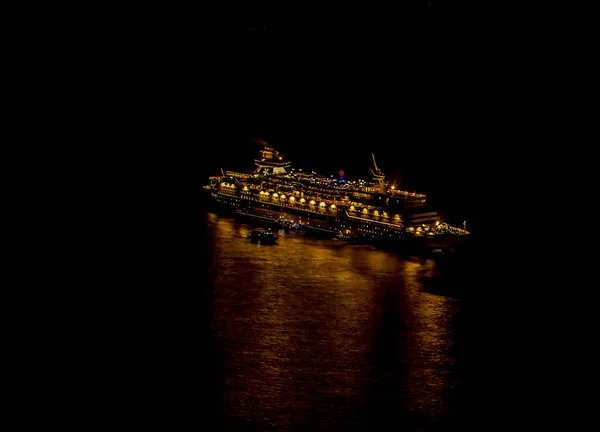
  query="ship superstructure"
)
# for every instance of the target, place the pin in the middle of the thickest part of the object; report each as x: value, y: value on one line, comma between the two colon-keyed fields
x: 364, y: 210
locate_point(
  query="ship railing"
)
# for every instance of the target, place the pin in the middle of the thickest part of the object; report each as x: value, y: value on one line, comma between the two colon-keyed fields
x: 267, y: 200
x: 269, y: 163
x: 406, y: 193
x: 370, y: 220
x: 237, y: 174
x: 458, y: 231
x: 228, y: 191
x: 446, y: 228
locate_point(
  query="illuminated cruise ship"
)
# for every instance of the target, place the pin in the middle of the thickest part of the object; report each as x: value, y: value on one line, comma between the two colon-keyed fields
x: 362, y: 211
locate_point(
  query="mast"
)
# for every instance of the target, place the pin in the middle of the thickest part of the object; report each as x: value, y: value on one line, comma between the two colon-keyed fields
x: 377, y: 174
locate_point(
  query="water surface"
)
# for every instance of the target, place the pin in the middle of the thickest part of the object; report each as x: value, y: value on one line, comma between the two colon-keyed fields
x: 319, y: 334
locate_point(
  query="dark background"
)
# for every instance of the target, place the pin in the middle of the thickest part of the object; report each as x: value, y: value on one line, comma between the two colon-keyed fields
x: 177, y: 96
x: 137, y: 106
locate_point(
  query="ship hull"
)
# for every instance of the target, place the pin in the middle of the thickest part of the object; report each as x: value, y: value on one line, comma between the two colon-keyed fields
x: 323, y: 225
x: 365, y: 212
x: 439, y: 241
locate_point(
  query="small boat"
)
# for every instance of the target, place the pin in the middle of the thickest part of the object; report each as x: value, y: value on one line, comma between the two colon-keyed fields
x: 262, y: 237
x: 344, y: 237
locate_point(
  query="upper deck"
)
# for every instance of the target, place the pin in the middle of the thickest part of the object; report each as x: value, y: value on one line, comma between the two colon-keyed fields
x: 272, y: 166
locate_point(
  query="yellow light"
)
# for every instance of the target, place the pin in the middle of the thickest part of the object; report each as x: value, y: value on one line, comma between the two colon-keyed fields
x: 365, y: 211
x: 312, y: 202
x: 282, y: 197
x: 275, y: 195
x: 302, y: 200
x: 322, y: 204
x: 332, y: 206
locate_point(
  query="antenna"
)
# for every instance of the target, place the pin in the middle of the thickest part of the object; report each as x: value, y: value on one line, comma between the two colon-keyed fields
x: 222, y: 172
x: 374, y: 163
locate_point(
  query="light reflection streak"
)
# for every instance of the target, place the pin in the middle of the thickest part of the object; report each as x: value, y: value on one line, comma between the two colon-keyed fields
x: 430, y: 339
x: 299, y: 321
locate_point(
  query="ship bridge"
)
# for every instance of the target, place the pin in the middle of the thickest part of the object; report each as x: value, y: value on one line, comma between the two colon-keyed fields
x: 271, y: 162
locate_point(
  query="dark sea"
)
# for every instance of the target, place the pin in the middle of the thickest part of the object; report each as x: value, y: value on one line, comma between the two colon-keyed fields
x: 316, y: 334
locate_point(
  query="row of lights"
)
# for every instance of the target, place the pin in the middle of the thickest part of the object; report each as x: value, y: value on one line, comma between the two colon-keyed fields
x: 424, y: 227
x: 322, y: 204
x: 375, y: 212
x: 292, y: 199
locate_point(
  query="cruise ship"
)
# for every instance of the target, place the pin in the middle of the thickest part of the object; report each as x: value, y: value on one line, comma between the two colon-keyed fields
x: 373, y: 211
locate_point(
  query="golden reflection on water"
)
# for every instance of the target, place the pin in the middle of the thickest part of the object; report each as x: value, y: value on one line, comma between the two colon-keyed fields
x: 431, y: 320
x: 313, y: 326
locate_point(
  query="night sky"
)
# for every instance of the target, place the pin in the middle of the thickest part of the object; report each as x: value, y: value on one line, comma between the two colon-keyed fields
x: 328, y: 93
x: 182, y: 92
x: 177, y: 95
x: 180, y: 95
